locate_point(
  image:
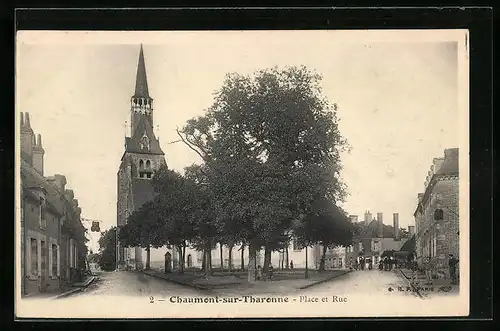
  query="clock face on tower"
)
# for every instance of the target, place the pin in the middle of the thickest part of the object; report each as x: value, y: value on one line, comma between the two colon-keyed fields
x: 144, y: 142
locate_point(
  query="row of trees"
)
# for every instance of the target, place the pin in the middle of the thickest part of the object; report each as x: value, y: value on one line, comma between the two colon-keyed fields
x: 270, y: 150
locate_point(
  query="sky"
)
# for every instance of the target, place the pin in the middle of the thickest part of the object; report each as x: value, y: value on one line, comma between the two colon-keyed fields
x: 397, y: 102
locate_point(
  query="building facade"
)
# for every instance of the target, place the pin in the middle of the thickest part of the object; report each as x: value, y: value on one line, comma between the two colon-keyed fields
x: 373, y: 238
x: 42, y: 217
x: 437, y: 214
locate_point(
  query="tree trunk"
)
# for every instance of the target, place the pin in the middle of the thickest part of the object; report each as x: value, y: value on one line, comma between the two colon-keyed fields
x: 181, y: 259
x: 184, y: 256
x: 287, y: 261
x: 148, y: 257
x: 230, y: 258
x: 252, y: 260
x: 207, y: 260
x: 242, y: 257
x: 267, y: 260
x: 307, y: 267
x: 221, y: 257
x: 203, y: 261
x: 323, y: 256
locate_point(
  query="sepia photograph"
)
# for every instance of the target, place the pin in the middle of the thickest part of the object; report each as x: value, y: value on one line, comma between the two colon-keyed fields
x: 242, y: 174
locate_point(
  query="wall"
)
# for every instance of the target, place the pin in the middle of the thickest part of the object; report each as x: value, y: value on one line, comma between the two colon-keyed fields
x: 49, y: 235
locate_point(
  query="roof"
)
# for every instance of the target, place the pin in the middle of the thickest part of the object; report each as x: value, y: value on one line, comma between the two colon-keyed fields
x: 141, y: 81
x: 448, y: 168
x: 450, y: 163
x: 31, y: 178
x: 142, y: 192
x: 389, y: 244
x: 409, y: 245
x: 132, y: 144
x: 371, y: 230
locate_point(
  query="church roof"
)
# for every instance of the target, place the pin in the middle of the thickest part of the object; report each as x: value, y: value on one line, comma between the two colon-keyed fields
x: 142, y: 191
x: 133, y: 144
x: 141, y: 81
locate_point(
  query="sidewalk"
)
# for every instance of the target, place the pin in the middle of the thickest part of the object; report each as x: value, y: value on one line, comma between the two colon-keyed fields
x: 64, y: 291
x: 426, y: 289
x: 237, y: 282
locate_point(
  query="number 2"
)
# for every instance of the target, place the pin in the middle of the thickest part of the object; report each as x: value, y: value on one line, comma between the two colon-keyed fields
x: 151, y: 300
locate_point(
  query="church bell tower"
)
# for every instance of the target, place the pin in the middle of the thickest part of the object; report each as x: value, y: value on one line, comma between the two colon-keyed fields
x: 141, y: 158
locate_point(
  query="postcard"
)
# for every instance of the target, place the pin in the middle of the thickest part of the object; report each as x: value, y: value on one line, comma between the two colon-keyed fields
x: 242, y: 174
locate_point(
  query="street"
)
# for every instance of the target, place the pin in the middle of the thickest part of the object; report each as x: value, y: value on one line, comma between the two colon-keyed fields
x: 133, y: 284
x: 365, y: 282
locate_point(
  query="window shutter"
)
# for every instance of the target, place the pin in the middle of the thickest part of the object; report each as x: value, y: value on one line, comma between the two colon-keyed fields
x: 50, y: 258
x: 27, y: 260
x: 39, y: 256
x: 58, y: 262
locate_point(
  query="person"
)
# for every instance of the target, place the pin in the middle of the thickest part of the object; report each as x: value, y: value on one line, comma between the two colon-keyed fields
x: 291, y: 264
x: 271, y: 272
x: 386, y: 263
x: 259, y: 272
x: 452, y: 265
x: 381, y: 265
x: 428, y: 270
x: 362, y: 263
x: 370, y: 264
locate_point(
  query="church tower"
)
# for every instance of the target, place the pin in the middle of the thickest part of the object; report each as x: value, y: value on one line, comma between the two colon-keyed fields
x: 142, y: 156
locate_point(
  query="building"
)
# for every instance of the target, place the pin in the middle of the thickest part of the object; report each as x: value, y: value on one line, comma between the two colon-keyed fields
x: 437, y: 213
x: 373, y: 238
x: 142, y: 156
x: 44, y: 257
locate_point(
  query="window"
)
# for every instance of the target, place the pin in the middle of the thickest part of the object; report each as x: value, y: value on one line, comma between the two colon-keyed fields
x: 148, y: 164
x: 54, y: 260
x: 42, y: 220
x: 43, y: 251
x: 148, y: 175
x: 141, y: 164
x: 34, y: 257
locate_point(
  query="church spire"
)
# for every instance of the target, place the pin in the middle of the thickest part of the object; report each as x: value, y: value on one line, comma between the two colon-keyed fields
x: 141, y: 102
x: 141, y: 81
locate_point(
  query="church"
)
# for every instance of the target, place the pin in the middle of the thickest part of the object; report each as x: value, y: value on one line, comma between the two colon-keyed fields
x: 142, y: 156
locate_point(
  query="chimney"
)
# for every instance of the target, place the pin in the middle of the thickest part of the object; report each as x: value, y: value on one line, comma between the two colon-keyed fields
x: 368, y: 217
x: 69, y: 194
x: 59, y: 181
x: 380, y: 221
x: 396, y: 225
x: 411, y: 230
x: 353, y: 218
x: 27, y: 137
x: 37, y: 154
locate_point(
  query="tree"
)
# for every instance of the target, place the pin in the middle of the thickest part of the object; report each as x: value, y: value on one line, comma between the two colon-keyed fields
x: 326, y: 225
x: 107, y: 250
x: 143, y: 229
x: 270, y: 145
x: 177, y: 206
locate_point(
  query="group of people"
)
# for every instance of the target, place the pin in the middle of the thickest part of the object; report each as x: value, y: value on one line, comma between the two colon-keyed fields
x: 386, y: 263
x: 270, y: 272
x: 428, y: 267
